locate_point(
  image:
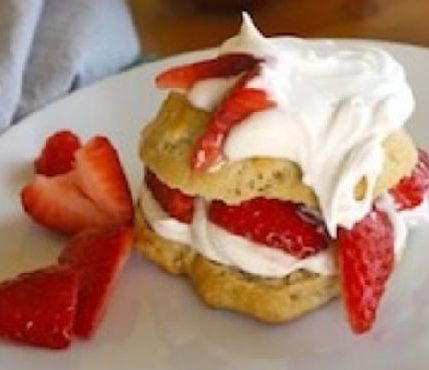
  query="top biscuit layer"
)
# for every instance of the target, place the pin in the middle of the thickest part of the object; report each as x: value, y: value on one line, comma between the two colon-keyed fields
x: 167, y: 144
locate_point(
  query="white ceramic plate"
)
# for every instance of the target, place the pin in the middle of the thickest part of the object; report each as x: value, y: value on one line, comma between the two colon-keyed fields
x: 154, y: 321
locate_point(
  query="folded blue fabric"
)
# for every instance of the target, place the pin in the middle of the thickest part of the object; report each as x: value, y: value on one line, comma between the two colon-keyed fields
x: 50, y: 47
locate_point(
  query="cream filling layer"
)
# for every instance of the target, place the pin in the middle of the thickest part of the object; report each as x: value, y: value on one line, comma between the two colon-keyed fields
x: 221, y: 246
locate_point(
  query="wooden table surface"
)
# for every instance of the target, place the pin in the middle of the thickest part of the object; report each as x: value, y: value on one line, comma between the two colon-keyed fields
x: 166, y: 27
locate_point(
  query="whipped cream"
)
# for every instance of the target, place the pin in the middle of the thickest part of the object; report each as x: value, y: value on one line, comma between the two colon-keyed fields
x: 160, y: 221
x: 334, y: 107
x: 220, y: 245
x: 403, y: 221
x: 207, y: 94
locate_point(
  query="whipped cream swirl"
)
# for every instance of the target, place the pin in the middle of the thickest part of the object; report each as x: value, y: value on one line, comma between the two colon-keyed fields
x: 334, y: 107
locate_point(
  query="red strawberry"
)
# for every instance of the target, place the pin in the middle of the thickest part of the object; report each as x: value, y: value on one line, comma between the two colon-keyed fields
x: 279, y: 224
x: 56, y: 202
x: 240, y: 103
x: 95, y: 193
x: 57, y: 156
x: 101, y: 179
x: 38, y: 308
x: 223, y: 66
x: 177, y: 204
x: 98, y: 257
x: 411, y: 190
x: 366, y: 258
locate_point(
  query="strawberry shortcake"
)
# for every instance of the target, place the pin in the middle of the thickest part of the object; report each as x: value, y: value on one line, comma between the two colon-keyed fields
x: 278, y: 176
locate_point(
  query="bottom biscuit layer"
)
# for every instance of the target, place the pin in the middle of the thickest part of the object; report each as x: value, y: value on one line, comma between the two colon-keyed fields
x: 271, y: 300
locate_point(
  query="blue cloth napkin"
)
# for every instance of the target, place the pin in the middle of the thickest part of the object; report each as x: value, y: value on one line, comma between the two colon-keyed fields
x: 51, y: 47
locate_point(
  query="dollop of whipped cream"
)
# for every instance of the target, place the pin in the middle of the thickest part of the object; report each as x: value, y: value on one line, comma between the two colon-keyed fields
x: 334, y: 107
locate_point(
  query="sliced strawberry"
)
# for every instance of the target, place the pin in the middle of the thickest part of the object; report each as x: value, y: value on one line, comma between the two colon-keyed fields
x: 97, y: 257
x: 101, y: 179
x: 38, y: 308
x: 411, y: 190
x: 177, y: 204
x: 240, y: 103
x: 94, y: 194
x: 56, y: 202
x: 278, y: 224
x: 223, y: 66
x: 57, y: 155
x: 365, y: 257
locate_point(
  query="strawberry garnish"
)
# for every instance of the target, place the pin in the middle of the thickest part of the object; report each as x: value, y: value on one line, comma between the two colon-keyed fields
x: 57, y: 155
x: 57, y: 203
x: 239, y: 103
x: 412, y: 189
x: 94, y: 193
x: 275, y: 223
x: 98, y: 258
x: 223, y: 66
x: 177, y: 204
x: 102, y: 179
x: 365, y: 257
x: 38, y: 308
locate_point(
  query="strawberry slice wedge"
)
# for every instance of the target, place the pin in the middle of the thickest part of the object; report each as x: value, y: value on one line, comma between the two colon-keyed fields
x: 411, y: 190
x: 177, y: 204
x: 38, y: 308
x: 240, y: 103
x: 57, y: 156
x: 57, y: 203
x: 278, y: 224
x: 223, y: 66
x: 101, y: 178
x: 98, y: 257
x: 94, y: 193
x: 365, y: 257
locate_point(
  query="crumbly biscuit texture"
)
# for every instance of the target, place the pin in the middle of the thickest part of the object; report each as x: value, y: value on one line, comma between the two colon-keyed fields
x: 167, y: 144
x: 271, y: 300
